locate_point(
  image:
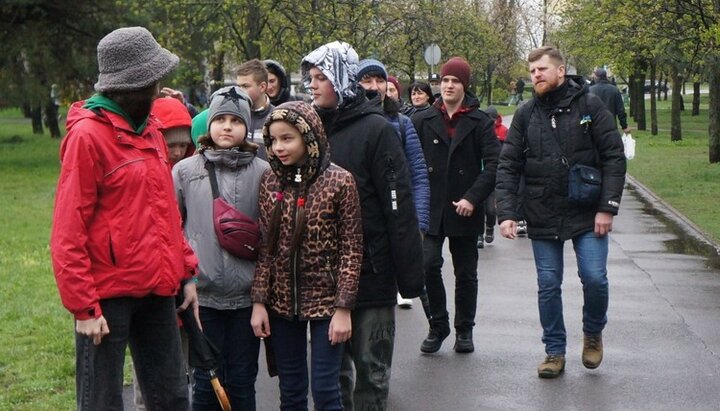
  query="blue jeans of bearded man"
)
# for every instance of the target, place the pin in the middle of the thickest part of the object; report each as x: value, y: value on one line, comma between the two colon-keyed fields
x: 591, y: 253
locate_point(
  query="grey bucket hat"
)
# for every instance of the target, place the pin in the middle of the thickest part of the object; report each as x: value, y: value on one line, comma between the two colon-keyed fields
x: 130, y: 58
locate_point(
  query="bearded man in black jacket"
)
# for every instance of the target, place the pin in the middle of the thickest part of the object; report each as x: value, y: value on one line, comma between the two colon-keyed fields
x: 562, y: 126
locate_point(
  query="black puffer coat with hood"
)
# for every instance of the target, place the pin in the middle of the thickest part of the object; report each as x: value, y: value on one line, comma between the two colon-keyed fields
x: 587, y: 134
x: 363, y: 142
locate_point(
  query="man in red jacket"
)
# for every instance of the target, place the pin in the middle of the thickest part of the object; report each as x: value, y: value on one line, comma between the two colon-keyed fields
x: 117, y: 246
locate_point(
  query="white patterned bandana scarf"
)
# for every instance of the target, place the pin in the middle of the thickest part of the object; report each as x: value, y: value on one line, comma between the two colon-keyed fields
x: 338, y: 61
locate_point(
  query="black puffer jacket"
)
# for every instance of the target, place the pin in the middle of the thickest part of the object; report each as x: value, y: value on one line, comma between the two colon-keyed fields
x: 530, y: 149
x: 363, y: 142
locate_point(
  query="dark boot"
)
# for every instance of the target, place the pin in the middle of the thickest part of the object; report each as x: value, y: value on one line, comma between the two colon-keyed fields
x: 464, y: 343
x: 434, y: 340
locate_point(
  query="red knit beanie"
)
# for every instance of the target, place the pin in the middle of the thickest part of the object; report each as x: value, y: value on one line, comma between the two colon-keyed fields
x: 394, y: 80
x: 458, y: 67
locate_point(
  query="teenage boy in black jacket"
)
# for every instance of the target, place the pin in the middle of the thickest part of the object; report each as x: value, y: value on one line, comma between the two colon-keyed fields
x: 364, y: 143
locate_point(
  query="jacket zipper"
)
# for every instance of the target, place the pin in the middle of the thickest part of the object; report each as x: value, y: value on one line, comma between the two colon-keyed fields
x: 293, y: 259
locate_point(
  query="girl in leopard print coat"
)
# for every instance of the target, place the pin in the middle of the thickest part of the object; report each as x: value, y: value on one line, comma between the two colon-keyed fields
x: 309, y: 264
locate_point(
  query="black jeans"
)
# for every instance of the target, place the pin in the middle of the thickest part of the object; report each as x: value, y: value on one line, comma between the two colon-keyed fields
x: 149, y: 325
x: 464, y: 257
x: 231, y: 333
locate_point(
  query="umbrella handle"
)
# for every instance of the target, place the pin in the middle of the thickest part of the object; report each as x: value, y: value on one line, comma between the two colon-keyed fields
x: 220, y: 392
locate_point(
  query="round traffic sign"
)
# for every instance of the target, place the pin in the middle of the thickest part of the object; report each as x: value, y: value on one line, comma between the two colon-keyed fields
x: 432, y: 54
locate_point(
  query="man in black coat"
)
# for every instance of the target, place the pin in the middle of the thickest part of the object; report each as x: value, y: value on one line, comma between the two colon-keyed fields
x: 611, y: 97
x: 363, y: 142
x: 560, y: 127
x: 461, y: 153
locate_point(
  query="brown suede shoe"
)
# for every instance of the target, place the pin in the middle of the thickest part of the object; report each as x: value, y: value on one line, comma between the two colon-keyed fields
x: 592, y: 354
x: 552, y: 367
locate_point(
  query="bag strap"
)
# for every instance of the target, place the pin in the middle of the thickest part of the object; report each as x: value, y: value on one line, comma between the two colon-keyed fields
x: 210, y: 167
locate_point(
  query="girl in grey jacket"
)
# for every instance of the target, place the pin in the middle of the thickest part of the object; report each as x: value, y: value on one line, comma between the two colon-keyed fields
x: 224, y: 280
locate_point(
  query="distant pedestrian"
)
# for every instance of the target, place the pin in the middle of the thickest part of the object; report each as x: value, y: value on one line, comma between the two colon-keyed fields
x: 490, y: 207
x: 117, y: 248
x: 611, y: 98
x: 519, y: 90
x: 252, y: 78
x: 420, y: 96
x: 512, y: 91
x: 278, y: 86
x: 560, y: 127
x: 309, y: 267
x: 175, y: 126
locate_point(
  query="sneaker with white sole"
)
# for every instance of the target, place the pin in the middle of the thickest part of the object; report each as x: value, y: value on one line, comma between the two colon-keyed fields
x: 405, y: 303
x: 521, y: 227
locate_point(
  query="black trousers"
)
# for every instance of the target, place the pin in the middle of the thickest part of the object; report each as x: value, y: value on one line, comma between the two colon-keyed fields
x: 464, y: 258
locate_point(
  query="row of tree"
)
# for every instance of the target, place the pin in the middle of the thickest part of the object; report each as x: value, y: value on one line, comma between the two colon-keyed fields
x: 648, y: 39
x: 45, y: 42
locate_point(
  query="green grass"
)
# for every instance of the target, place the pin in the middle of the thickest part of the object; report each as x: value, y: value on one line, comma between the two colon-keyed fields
x: 679, y: 172
x: 37, y: 351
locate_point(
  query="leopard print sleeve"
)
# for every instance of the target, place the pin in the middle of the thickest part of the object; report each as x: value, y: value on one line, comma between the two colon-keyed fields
x: 261, y: 281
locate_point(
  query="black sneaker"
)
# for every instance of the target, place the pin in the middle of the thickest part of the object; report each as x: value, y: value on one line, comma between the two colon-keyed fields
x: 434, y: 341
x: 480, y: 243
x: 464, y: 343
x: 489, y: 234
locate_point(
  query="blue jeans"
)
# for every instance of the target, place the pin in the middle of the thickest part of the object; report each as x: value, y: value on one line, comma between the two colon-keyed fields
x: 591, y: 253
x: 231, y: 333
x: 465, y: 258
x: 149, y: 326
x: 289, y: 341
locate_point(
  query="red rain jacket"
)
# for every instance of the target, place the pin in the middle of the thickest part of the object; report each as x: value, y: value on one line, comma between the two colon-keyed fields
x: 116, y: 225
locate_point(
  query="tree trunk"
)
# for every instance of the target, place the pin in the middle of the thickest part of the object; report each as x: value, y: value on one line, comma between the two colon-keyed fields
x: 696, y: 99
x: 714, y: 109
x: 631, y: 94
x: 51, y: 112
x: 640, y: 108
x: 714, y: 114
x: 218, y: 72
x: 253, y: 24
x: 665, y: 87
x: 675, y: 120
x: 36, y: 115
x: 653, y: 101
x: 658, y: 90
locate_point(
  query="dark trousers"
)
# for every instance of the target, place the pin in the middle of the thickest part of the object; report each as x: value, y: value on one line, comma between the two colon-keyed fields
x: 367, y: 359
x: 289, y: 340
x: 149, y: 326
x: 231, y: 333
x: 464, y: 257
